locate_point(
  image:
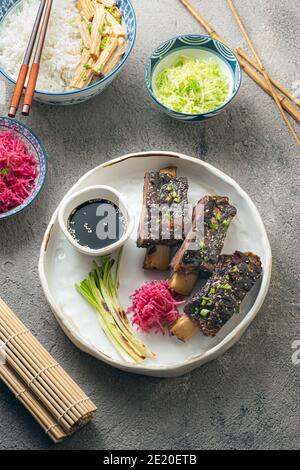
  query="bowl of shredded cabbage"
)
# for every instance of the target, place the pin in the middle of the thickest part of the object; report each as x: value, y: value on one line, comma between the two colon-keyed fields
x: 193, y: 78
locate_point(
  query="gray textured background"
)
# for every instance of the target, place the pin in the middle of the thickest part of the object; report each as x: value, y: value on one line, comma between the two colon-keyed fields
x: 249, y: 398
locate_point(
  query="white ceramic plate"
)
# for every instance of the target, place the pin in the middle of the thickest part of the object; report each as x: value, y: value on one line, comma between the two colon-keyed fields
x: 61, y: 266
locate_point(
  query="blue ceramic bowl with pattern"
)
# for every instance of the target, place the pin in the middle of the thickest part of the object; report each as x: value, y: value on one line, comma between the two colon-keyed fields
x: 196, y: 46
x: 78, y: 96
x: 35, y: 148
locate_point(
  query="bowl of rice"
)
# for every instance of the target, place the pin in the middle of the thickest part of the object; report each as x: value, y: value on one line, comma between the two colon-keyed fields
x: 23, y: 167
x: 87, y: 45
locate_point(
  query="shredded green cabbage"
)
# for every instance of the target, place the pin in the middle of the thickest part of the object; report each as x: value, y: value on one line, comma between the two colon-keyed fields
x: 192, y: 86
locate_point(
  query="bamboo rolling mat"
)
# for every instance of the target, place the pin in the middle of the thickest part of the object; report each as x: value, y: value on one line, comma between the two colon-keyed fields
x: 39, y: 382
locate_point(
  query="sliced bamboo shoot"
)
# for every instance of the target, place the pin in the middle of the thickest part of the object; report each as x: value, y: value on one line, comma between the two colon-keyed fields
x: 84, y: 76
x: 107, y: 3
x: 116, y: 13
x: 117, y: 28
x: 108, y: 31
x: 97, y: 31
x: 84, y: 33
x: 183, y: 283
x: 157, y: 257
x: 184, y: 328
x: 105, y: 55
x: 87, y: 8
x: 85, y: 57
x: 116, y: 57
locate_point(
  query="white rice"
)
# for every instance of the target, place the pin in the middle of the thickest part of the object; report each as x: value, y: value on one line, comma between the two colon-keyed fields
x: 62, y: 49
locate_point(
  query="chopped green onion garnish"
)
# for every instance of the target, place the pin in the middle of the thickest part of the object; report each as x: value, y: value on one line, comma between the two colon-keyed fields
x: 204, y: 312
x: 87, y: 66
x: 104, y: 43
x: 224, y: 286
x: 4, y: 171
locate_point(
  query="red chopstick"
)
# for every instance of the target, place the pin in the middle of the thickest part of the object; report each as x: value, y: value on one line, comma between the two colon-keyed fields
x: 35, y: 67
x: 14, y: 104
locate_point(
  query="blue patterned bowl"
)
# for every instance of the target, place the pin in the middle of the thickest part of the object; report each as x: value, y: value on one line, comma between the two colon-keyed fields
x: 199, y: 46
x: 78, y: 96
x: 36, y: 148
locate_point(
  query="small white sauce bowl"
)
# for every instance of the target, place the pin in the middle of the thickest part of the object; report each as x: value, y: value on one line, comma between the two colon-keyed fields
x: 88, y: 194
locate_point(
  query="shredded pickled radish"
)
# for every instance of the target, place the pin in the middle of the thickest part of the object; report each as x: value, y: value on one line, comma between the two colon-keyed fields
x: 18, y: 172
x: 154, y: 306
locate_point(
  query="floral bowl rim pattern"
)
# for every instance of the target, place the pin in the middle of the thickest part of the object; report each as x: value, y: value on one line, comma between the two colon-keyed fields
x: 195, y: 41
x: 40, y: 155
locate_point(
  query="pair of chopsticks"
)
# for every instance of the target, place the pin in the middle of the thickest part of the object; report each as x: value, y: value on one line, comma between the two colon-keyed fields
x: 263, y: 79
x: 37, y: 38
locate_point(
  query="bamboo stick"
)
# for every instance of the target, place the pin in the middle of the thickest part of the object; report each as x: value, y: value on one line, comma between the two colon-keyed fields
x: 264, y: 71
x: 278, y: 85
x: 42, y: 416
x: 44, y: 378
x: 48, y: 358
x: 74, y: 414
x: 256, y: 77
x: 59, y: 372
x: 9, y: 353
x: 37, y: 367
x: 48, y: 401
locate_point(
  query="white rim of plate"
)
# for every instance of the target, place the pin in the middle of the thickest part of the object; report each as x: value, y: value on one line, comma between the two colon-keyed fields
x: 195, y: 360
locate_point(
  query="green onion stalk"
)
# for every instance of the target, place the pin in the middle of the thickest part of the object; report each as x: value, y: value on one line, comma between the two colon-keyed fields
x: 100, y: 289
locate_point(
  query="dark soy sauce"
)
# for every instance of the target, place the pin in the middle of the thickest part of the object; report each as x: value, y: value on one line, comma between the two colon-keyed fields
x: 96, y: 224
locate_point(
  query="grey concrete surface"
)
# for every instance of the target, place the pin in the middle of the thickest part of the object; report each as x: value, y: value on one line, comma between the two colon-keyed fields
x: 249, y: 398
